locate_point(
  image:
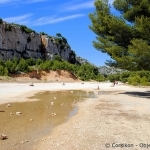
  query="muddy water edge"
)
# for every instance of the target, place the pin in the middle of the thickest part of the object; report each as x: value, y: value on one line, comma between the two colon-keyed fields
x: 37, y: 118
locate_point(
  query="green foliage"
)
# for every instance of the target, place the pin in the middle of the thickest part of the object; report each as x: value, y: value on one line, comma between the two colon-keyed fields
x: 39, y: 61
x: 8, y: 27
x: 132, y: 77
x: 22, y: 66
x: 2, y: 63
x: 114, y: 77
x: 124, y: 76
x: 3, y: 71
x: 58, y: 35
x: 26, y: 29
x: 43, y: 33
x: 134, y: 80
x: 124, y: 38
x: 31, y: 61
x: 58, y: 58
x: 85, y: 72
x: 11, y: 67
x: 64, y: 40
x: 15, y: 61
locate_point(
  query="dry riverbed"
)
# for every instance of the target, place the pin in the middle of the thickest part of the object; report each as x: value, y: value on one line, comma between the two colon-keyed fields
x: 118, y: 117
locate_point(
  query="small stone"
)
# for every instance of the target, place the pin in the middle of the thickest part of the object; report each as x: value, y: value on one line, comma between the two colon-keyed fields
x: 11, y: 114
x: 54, y: 97
x: 96, y: 87
x: 8, y: 105
x: 52, y: 103
x: 18, y: 113
x: 3, y: 137
x: 53, y: 114
x: 31, y: 84
x: 62, y: 83
x: 31, y: 119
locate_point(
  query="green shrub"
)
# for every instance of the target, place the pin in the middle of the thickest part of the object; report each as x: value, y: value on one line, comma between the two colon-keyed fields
x: 26, y: 30
x: 22, y: 66
x: 134, y: 80
x: 3, y: 71
x: 11, y: 67
x: 144, y: 81
x: 2, y: 63
x: 114, y: 77
x: 58, y: 58
x: 31, y: 61
x: 8, y: 27
x: 124, y: 76
x: 38, y: 61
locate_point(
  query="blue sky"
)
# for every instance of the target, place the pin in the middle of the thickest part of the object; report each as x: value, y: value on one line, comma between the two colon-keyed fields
x: 70, y: 18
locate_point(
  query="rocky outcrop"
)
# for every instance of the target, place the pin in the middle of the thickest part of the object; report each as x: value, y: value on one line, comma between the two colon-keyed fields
x: 19, y: 41
x: 107, y: 70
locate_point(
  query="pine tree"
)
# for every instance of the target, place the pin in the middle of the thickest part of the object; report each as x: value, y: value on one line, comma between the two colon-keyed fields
x: 124, y: 38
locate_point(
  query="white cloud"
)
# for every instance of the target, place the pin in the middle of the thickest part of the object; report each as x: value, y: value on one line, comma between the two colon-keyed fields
x: 34, y: 1
x: 4, y: 1
x: 7, y: 1
x: 20, y: 1
x: 28, y: 20
x: 78, y: 6
x: 24, y: 19
x: 54, y: 19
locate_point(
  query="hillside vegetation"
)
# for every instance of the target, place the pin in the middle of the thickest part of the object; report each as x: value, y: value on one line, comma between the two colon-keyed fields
x: 84, y: 72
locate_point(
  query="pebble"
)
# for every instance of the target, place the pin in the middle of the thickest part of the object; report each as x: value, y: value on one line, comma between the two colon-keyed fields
x: 8, y: 105
x: 3, y: 137
x: 18, y: 113
x: 53, y: 114
x: 31, y: 84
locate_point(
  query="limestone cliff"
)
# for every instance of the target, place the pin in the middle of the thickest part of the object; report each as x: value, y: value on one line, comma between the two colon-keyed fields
x: 19, y: 41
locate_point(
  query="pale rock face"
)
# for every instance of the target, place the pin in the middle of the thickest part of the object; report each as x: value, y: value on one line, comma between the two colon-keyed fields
x: 16, y: 43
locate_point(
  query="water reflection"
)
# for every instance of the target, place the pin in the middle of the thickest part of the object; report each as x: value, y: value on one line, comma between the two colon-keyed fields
x: 37, y: 118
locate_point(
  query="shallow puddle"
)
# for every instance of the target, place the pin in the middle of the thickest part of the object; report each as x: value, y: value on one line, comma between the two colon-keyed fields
x: 106, y: 92
x: 37, y: 118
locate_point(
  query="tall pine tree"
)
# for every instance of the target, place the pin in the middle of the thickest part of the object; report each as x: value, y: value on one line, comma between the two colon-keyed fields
x: 125, y: 38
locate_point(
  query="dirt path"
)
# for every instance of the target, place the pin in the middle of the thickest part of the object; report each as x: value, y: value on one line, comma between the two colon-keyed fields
x: 111, y: 121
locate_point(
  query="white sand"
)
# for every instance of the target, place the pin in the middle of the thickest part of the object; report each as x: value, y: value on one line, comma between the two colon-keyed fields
x: 111, y: 118
x: 10, y: 92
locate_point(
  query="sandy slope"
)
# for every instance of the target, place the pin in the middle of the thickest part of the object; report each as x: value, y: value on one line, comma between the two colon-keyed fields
x: 120, y: 116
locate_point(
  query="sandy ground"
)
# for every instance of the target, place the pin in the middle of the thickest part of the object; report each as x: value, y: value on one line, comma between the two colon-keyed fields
x: 119, y: 118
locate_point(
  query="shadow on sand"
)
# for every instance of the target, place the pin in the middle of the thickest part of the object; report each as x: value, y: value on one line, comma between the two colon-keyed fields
x: 145, y: 94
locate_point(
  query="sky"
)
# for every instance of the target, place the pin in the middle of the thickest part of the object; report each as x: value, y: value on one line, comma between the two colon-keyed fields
x: 69, y: 18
